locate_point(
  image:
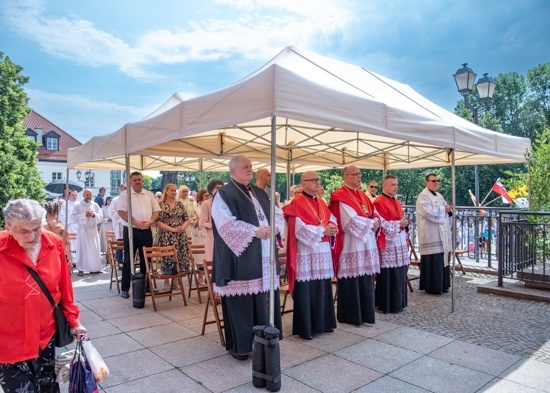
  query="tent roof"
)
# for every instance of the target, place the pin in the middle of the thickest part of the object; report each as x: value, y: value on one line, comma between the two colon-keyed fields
x: 328, y: 114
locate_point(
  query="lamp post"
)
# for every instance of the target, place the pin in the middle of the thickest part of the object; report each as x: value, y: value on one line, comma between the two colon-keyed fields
x: 88, y: 177
x: 189, y: 178
x: 465, y: 79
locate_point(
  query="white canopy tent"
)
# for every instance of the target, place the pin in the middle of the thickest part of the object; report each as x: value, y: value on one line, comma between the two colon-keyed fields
x: 320, y: 112
x: 329, y: 114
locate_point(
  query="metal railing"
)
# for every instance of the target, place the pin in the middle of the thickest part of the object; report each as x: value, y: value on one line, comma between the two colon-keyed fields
x: 524, y: 246
x: 477, y: 232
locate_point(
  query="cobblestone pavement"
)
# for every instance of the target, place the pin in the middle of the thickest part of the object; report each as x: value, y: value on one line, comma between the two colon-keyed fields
x: 516, y: 326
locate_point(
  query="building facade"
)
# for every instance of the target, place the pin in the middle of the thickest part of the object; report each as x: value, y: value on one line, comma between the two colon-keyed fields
x: 52, y: 157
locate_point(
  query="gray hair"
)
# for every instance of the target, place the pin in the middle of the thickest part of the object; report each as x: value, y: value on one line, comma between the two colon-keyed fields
x: 234, y: 162
x: 24, y: 210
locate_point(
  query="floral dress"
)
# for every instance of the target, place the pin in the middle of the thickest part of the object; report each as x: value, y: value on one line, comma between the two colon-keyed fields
x: 174, y: 217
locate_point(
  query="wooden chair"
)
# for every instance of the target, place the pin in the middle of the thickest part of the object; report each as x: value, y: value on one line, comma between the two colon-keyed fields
x: 154, y: 257
x: 212, y: 303
x: 196, y: 256
x: 112, y: 247
x: 284, y: 287
x: 71, y: 236
x: 414, y: 261
x: 458, y: 253
x: 334, y: 282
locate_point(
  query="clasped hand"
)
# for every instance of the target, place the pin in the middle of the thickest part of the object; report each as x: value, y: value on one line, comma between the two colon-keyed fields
x: 331, y: 230
x: 263, y: 232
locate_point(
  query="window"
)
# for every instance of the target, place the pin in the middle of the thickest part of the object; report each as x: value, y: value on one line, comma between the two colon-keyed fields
x: 52, y: 144
x: 116, y: 181
x: 90, y: 181
x: 56, y: 176
x: 32, y: 138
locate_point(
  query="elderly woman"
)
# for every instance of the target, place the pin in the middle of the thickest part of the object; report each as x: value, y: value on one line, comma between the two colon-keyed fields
x: 205, y: 218
x: 27, y: 344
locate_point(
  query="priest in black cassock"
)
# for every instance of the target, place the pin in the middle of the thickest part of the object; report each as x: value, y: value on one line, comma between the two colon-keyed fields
x: 241, y: 271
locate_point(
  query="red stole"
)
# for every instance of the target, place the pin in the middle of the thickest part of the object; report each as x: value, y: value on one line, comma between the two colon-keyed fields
x: 390, y: 209
x: 310, y: 211
x: 354, y: 199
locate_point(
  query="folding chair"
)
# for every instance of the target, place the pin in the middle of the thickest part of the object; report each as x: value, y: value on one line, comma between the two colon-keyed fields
x: 196, y: 253
x: 154, y: 257
x: 71, y: 236
x: 284, y: 287
x: 414, y: 261
x: 112, y: 247
x: 212, y: 302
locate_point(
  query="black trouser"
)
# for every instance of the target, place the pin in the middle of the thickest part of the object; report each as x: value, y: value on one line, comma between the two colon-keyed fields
x: 31, y: 376
x: 142, y: 238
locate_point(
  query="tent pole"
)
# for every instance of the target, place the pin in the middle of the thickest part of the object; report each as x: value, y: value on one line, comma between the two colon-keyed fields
x: 66, y: 197
x: 273, y: 227
x: 453, y: 234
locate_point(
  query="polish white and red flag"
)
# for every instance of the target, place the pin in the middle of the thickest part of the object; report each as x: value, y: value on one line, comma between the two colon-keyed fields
x: 499, y: 189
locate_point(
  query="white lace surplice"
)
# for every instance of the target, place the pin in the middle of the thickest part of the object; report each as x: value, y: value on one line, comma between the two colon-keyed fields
x: 360, y: 253
x: 238, y: 235
x: 396, y: 253
x: 313, y: 259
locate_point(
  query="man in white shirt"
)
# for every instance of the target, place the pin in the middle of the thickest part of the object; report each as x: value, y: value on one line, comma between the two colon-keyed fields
x: 145, y: 211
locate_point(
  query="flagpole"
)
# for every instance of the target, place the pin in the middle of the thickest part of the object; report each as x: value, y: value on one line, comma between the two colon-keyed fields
x: 488, y: 203
x: 491, y: 190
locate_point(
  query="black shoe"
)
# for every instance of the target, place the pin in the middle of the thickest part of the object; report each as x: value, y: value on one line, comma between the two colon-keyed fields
x: 96, y: 272
x: 329, y: 330
x: 240, y: 357
x: 124, y: 294
x: 306, y: 337
x: 80, y: 273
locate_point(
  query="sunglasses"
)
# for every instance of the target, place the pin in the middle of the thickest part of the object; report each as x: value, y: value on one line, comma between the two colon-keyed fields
x: 435, y: 181
x: 373, y: 187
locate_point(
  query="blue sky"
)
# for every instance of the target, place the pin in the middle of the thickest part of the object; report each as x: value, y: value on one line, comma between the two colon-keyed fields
x: 94, y: 66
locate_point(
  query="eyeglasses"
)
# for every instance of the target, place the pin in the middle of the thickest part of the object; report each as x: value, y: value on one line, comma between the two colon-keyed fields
x: 374, y: 187
x: 435, y: 181
x: 313, y: 180
x: 353, y: 174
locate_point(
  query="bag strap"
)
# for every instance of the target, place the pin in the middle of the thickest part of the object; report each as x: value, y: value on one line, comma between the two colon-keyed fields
x: 41, y: 284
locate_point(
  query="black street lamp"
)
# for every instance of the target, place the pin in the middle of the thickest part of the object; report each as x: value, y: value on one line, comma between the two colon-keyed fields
x: 465, y: 79
x: 88, y: 177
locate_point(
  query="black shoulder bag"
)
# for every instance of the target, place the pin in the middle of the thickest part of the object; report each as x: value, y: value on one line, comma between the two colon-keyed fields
x: 63, y: 336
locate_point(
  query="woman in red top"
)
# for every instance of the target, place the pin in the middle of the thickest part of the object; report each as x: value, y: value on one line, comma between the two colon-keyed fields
x: 27, y: 344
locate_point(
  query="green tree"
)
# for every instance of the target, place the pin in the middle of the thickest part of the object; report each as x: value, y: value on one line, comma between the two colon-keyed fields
x: 538, y: 80
x: 19, y: 175
x: 537, y: 176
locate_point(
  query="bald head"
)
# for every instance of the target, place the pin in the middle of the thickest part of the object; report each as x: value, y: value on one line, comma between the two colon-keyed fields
x: 263, y: 178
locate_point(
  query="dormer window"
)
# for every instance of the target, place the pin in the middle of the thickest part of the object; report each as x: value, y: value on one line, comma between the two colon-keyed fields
x: 51, y: 140
x: 52, y: 144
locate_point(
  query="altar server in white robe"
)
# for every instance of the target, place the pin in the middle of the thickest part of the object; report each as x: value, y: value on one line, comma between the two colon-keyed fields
x: 88, y: 215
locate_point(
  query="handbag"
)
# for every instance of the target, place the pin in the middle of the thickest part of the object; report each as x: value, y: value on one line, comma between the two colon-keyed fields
x: 63, y: 336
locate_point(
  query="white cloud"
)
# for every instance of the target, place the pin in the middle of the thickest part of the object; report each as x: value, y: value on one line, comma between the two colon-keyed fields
x: 273, y: 25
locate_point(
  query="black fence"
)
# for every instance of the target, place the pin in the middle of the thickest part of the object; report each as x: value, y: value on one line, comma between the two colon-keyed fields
x: 477, y: 232
x: 524, y: 247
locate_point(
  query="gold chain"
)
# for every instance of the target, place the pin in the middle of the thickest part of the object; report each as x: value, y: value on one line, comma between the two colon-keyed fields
x: 320, y: 217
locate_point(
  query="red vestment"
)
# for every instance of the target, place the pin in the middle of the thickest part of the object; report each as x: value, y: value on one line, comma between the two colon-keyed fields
x: 311, y: 212
x: 357, y: 200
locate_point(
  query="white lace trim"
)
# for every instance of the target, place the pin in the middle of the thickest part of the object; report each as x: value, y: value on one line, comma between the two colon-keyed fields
x: 250, y: 287
x: 316, y: 266
x: 237, y: 235
x: 358, y: 263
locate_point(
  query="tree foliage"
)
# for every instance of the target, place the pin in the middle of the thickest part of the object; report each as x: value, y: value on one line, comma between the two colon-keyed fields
x: 19, y: 175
